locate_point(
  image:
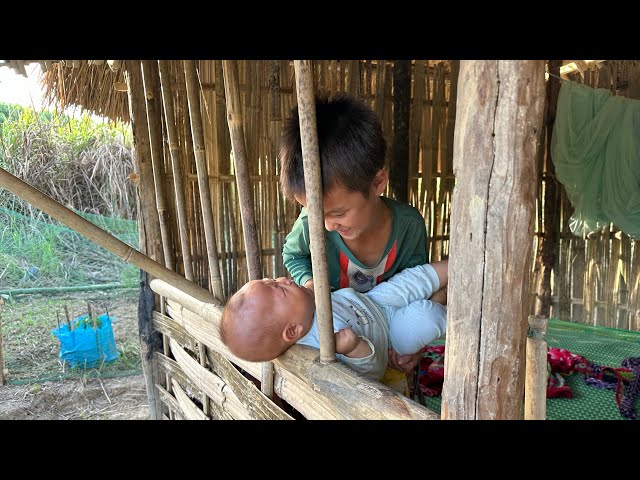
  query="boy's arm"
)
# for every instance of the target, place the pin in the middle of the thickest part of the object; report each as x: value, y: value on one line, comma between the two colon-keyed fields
x: 441, y: 267
x: 296, y: 255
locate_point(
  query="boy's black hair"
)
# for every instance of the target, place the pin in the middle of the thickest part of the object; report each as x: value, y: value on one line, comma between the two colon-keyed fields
x: 350, y: 141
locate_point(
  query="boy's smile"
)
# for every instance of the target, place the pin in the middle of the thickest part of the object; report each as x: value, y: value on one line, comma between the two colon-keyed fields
x: 350, y: 213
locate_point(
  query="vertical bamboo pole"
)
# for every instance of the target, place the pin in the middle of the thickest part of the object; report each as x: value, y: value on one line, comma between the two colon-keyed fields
x: 535, y: 392
x: 236, y: 132
x: 193, y: 93
x: 151, y: 82
x: 174, y: 149
x: 313, y: 188
x: 275, y: 121
x: 417, y: 107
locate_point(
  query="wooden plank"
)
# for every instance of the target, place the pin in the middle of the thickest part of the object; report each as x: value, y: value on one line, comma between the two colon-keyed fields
x: 168, y: 326
x: 499, y: 115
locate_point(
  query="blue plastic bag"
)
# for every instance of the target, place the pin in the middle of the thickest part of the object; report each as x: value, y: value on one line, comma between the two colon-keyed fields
x: 86, y: 346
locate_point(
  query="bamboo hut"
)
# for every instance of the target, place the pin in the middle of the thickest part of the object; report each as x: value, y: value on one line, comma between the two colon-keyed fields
x: 468, y: 145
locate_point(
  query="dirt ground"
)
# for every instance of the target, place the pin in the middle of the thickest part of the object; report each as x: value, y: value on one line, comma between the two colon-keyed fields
x: 39, y: 386
x: 120, y: 398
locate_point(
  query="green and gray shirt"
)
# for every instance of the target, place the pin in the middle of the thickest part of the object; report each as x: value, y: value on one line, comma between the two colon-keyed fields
x: 406, y: 247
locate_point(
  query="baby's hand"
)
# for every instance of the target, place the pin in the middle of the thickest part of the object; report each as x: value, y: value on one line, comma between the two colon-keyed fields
x: 346, y: 341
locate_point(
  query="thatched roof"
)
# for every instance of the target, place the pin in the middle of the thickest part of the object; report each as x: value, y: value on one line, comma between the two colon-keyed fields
x: 94, y: 85
x: 99, y: 87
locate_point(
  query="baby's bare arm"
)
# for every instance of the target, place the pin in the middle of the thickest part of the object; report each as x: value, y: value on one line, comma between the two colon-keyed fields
x: 350, y: 345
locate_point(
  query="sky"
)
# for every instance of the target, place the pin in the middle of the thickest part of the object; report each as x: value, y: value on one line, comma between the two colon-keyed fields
x: 14, y: 88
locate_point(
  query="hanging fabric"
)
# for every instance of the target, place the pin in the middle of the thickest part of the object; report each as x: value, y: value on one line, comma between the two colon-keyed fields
x: 595, y: 148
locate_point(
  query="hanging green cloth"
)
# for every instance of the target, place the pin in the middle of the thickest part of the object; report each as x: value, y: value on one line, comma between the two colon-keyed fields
x: 596, y: 151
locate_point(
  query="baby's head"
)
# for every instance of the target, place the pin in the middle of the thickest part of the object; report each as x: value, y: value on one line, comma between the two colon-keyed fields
x: 265, y: 317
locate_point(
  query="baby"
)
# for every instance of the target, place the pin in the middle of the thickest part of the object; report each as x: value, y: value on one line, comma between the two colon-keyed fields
x: 265, y: 317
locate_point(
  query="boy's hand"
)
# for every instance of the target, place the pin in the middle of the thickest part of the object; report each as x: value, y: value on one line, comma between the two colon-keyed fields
x: 403, y: 363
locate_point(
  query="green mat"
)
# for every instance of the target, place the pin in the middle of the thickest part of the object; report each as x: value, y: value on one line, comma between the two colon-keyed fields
x: 600, y: 345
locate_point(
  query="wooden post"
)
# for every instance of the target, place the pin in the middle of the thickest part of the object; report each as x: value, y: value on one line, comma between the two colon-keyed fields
x: 193, y: 93
x: 498, y: 120
x: 150, y: 236
x: 150, y: 342
x: 313, y: 189
x: 549, y: 239
x: 174, y: 147
x: 535, y: 391
x: 399, y: 171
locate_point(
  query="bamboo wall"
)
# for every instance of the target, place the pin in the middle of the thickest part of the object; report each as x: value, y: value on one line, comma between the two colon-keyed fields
x: 596, y: 280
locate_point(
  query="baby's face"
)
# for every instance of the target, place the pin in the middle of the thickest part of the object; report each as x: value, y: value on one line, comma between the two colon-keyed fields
x: 284, y: 299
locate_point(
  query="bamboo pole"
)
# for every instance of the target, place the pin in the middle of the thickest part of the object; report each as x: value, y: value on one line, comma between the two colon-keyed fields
x: 154, y: 115
x: 535, y: 392
x: 236, y: 131
x: 174, y: 149
x: 193, y: 93
x: 247, y: 214
x: 95, y: 234
x: 313, y: 188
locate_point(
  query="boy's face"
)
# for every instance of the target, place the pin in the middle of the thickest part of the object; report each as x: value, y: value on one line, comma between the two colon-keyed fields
x: 283, y: 300
x: 347, y: 212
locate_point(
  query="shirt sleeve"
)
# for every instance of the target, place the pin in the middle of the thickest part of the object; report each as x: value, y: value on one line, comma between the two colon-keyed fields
x: 419, y: 255
x: 296, y: 254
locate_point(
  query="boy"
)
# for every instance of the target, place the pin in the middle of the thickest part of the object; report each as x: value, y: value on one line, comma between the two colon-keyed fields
x: 265, y: 317
x: 369, y: 237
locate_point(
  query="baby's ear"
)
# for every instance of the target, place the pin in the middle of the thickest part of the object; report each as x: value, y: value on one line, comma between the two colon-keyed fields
x: 292, y: 332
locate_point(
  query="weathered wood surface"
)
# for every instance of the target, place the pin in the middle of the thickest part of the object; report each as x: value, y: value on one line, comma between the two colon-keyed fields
x: 498, y: 122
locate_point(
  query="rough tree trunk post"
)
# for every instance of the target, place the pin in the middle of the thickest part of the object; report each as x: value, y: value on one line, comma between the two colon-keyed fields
x: 150, y: 236
x: 498, y: 120
x: 549, y: 239
x: 399, y: 174
x: 313, y: 189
